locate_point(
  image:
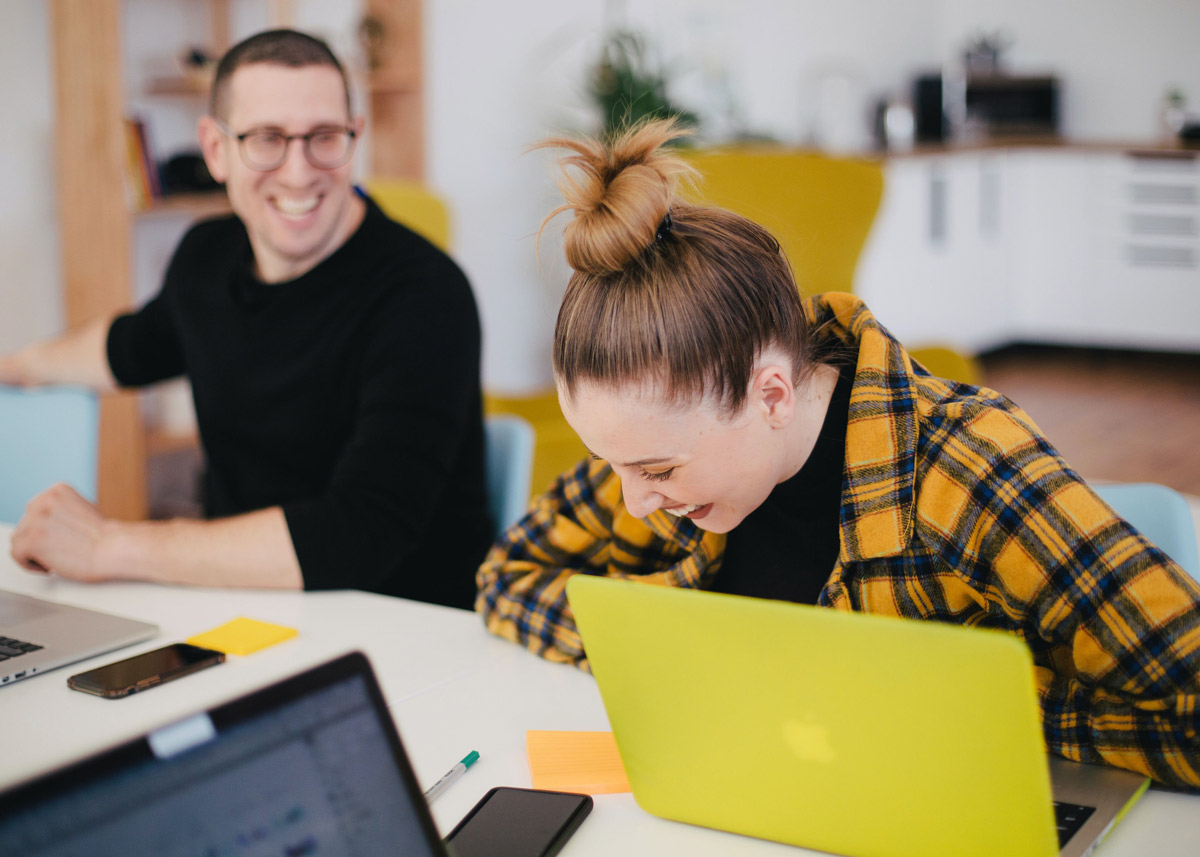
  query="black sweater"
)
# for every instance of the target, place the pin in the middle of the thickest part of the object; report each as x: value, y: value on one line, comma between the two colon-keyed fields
x: 348, y: 396
x: 787, y: 547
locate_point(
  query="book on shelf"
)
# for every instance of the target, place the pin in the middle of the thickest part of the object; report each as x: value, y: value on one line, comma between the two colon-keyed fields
x: 149, y: 162
x: 144, y: 183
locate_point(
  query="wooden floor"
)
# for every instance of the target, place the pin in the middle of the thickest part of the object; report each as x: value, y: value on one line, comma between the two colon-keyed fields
x: 1116, y: 415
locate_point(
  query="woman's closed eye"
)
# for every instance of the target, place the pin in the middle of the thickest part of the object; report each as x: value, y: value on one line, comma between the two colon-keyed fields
x: 655, y: 476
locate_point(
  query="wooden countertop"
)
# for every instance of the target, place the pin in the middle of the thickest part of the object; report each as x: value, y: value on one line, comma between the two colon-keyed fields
x: 1148, y: 148
x: 1160, y: 148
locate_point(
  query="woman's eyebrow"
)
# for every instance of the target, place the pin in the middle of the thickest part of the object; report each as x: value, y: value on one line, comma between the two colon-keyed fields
x: 642, y: 463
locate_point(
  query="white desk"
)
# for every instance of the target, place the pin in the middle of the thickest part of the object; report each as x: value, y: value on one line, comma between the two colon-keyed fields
x: 451, y: 688
x: 413, y: 647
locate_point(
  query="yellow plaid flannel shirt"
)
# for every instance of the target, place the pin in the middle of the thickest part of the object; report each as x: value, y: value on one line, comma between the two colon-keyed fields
x: 954, y: 508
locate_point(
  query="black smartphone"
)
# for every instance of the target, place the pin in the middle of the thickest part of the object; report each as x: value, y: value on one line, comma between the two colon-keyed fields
x: 512, y: 822
x: 145, y: 670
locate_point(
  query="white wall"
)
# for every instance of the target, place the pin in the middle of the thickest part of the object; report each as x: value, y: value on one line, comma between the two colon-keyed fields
x: 778, y: 58
x: 30, y: 304
x: 489, y: 96
x: 502, y: 75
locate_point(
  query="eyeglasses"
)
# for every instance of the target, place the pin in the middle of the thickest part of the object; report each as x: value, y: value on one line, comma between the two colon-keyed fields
x: 264, y: 150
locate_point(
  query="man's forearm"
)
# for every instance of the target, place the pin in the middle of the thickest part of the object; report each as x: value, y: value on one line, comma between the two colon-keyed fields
x: 77, y: 357
x: 252, y: 550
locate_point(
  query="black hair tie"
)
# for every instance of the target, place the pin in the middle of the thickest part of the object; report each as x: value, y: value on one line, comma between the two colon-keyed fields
x: 664, y: 228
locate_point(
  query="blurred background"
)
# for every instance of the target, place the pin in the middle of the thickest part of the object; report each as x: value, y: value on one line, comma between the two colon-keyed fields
x: 1018, y: 187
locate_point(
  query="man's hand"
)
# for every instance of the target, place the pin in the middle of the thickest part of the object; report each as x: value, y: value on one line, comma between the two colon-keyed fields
x: 79, y: 356
x: 64, y: 534
x: 12, y: 370
x: 61, y: 533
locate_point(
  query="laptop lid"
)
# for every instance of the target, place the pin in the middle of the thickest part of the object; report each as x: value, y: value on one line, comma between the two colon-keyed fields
x: 38, y: 635
x: 310, y: 765
x: 848, y: 733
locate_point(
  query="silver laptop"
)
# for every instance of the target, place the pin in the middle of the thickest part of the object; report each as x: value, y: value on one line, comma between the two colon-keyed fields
x: 38, y: 635
x: 311, y: 765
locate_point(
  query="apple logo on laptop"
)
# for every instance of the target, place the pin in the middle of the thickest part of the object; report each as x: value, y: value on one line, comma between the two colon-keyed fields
x: 809, y: 740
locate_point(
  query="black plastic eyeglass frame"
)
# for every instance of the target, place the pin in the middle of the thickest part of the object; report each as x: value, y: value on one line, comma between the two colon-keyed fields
x: 287, y: 142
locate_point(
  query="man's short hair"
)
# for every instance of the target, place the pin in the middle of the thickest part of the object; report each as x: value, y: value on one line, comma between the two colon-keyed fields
x: 276, y: 47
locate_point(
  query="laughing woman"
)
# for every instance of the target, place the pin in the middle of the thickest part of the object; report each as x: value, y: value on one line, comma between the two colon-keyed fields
x: 747, y: 440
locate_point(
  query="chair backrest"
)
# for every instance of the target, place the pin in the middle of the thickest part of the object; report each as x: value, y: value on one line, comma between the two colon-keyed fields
x: 943, y: 361
x: 556, y: 447
x: 819, y: 206
x: 46, y: 436
x: 1159, y: 513
x: 509, y: 468
x: 414, y: 205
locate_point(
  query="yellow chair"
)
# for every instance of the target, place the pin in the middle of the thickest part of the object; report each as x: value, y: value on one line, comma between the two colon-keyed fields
x: 414, y: 205
x: 946, y: 362
x: 820, y: 207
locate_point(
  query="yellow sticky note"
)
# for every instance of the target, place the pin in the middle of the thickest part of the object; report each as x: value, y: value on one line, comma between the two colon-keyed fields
x: 586, y: 762
x: 243, y: 636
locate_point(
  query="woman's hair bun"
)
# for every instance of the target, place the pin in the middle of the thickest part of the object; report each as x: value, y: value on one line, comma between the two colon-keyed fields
x: 619, y: 191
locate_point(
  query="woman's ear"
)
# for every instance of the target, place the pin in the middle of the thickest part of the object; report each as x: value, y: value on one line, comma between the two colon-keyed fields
x: 773, y: 393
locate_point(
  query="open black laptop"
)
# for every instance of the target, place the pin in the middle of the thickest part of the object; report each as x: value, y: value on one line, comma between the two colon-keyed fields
x: 311, y: 765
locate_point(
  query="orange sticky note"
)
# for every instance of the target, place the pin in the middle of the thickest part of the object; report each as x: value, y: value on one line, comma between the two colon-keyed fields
x: 243, y: 636
x: 586, y: 762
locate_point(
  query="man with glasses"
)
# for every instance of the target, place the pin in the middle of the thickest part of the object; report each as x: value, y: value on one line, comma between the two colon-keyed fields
x: 334, y: 362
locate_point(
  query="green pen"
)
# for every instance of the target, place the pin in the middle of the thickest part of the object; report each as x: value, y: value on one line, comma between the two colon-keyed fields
x: 451, y: 775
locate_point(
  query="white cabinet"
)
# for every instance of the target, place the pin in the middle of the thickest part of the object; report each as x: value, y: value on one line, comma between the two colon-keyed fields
x: 934, y: 266
x: 1148, y: 282
x: 1053, y: 238
x: 977, y: 249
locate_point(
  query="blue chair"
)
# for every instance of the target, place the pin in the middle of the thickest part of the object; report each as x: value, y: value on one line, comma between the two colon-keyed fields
x: 46, y: 436
x: 1159, y: 513
x: 509, y: 441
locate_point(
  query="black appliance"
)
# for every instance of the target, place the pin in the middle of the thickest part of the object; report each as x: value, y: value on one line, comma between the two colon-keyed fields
x: 997, y: 104
x: 929, y: 116
x: 1013, y: 105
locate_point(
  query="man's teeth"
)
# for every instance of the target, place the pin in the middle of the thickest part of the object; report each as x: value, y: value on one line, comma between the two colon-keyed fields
x: 680, y: 511
x: 296, y: 207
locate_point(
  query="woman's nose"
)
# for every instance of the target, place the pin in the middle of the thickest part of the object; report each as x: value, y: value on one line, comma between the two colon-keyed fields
x: 640, y: 499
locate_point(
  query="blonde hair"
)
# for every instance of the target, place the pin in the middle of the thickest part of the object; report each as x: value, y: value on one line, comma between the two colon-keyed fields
x: 665, y: 292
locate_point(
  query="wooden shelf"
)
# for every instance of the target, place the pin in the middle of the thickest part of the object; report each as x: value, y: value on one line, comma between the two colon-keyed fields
x: 394, y: 89
x: 207, y: 204
x: 188, y: 87
x: 393, y: 83
x: 159, y: 442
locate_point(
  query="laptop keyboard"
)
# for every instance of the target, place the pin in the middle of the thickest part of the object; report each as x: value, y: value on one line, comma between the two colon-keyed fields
x: 12, y: 648
x: 1069, y: 818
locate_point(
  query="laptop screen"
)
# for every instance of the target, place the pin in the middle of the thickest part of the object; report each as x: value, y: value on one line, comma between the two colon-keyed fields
x: 317, y: 770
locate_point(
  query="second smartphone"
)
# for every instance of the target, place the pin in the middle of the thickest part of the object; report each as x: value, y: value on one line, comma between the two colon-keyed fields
x: 512, y: 822
x: 145, y: 670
